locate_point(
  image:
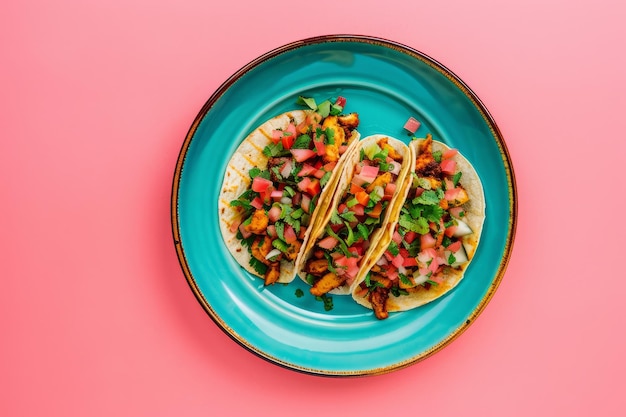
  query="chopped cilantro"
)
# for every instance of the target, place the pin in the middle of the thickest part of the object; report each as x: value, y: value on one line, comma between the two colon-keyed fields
x: 258, y: 266
x: 280, y: 230
x: 451, y: 259
x: 324, y: 108
x: 330, y: 136
x: 307, y: 101
x: 457, y: 178
x: 363, y: 231
x: 428, y: 197
x: 299, y: 293
x: 302, y: 142
x: 419, y: 225
x: 393, y: 248
x: 325, y: 178
x: 349, y: 216
x: 437, y: 156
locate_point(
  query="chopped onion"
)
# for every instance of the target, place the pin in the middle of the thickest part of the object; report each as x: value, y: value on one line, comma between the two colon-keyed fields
x: 272, y: 253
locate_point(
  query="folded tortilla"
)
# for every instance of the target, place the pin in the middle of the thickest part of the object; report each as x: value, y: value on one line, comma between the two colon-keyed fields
x: 449, y: 276
x: 338, y: 199
x: 237, y: 180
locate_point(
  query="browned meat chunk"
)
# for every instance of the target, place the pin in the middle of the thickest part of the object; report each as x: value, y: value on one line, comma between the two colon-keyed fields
x: 259, y: 222
x: 378, y: 298
x: 328, y: 282
x: 273, y: 273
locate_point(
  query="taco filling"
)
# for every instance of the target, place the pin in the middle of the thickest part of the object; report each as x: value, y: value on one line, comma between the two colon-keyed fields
x: 427, y: 252
x: 273, y: 215
x: 336, y: 256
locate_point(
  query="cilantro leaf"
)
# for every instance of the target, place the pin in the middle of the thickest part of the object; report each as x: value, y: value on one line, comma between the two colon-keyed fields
x: 428, y: 197
x: 419, y: 225
x: 307, y: 101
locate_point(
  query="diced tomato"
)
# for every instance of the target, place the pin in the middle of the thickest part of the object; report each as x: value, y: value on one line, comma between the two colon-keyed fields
x: 448, y: 183
x: 257, y: 203
x: 342, y: 149
x: 260, y: 185
x: 302, y: 232
x: 356, y: 189
x: 290, y: 234
x: 320, y: 147
x: 305, y: 203
x: 356, y: 249
x: 358, y: 209
x: 409, y: 262
x: 288, y: 140
x: 450, y: 230
x: 376, y: 211
x: 271, y: 230
x: 276, y: 195
x: 412, y: 125
x: 397, y: 237
x: 244, y: 233
x: 306, y: 170
x: 341, y: 101
x: 302, y: 155
x: 362, y: 197
x: 390, y: 189
x: 448, y: 166
x: 427, y: 241
x: 454, y: 247
x: 274, y: 214
x: 295, y: 200
x: 392, y: 274
x: 368, y: 171
x: 302, y: 185
x: 418, y: 191
x: 451, y: 194
x: 434, y: 265
x: 450, y: 153
x: 341, y: 208
x: 409, y: 236
x: 276, y: 136
x: 397, y: 261
x: 291, y: 128
x: 328, y: 242
x: 313, y: 187
x: 456, y: 212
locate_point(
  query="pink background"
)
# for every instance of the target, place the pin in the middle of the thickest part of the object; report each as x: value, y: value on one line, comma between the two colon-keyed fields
x: 96, y: 317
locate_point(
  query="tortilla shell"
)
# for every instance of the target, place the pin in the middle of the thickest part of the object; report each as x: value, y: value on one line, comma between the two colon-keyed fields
x: 343, y: 183
x: 237, y: 180
x: 474, y: 217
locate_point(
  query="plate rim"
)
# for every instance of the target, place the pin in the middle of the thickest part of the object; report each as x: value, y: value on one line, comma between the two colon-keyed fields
x: 385, y: 43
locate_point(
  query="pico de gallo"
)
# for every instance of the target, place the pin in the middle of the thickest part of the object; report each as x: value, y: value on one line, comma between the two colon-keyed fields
x: 277, y: 209
x: 428, y: 235
x: 337, y: 253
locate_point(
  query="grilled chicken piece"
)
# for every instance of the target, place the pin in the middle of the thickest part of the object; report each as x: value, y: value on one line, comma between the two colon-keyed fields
x: 293, y: 250
x: 328, y: 282
x: 391, y: 152
x: 332, y: 151
x: 260, y: 247
x: 378, y: 298
x: 259, y: 222
x: 273, y: 273
x: 350, y: 121
x: 382, y: 180
x: 317, y: 267
x: 425, y: 165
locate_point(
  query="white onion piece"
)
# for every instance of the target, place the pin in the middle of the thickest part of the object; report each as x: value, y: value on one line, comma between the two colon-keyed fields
x: 286, y: 200
x: 272, y: 253
x: 462, y: 229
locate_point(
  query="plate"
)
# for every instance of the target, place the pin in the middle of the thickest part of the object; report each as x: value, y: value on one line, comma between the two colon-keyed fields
x: 386, y: 83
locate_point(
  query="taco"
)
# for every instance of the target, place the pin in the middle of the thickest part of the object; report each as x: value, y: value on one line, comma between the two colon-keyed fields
x: 373, y: 179
x: 435, y: 234
x: 276, y: 183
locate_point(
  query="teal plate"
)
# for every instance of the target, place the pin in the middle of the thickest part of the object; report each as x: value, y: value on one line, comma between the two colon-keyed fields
x: 386, y: 83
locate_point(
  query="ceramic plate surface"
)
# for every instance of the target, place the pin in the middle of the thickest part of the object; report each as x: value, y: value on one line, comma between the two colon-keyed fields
x: 386, y: 83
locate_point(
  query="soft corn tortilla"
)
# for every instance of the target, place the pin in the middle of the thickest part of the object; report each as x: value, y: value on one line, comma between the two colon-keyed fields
x: 474, y: 217
x: 342, y: 185
x: 237, y: 180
